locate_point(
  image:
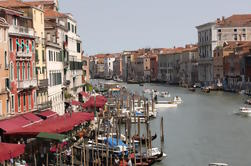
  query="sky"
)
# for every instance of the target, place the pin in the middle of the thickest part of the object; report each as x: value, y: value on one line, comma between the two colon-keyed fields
x: 110, y: 26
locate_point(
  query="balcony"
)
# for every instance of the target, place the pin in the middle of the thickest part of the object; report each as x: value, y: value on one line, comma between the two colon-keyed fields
x: 43, y: 83
x: 21, y: 30
x: 26, y: 84
x: 24, y: 54
x: 44, y: 106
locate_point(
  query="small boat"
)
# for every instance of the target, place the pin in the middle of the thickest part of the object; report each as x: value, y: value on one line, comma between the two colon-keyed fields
x: 165, y: 94
x: 245, y: 111
x: 165, y: 104
x: 177, y: 100
x: 141, y: 84
x: 217, y: 164
x: 248, y: 101
x: 205, y: 89
x: 143, y: 139
x: 192, y: 89
x: 132, y: 82
x: 147, y: 91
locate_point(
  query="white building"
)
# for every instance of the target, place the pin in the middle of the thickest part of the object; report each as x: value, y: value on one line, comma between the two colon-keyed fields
x: 207, y: 42
x: 74, y: 72
x: 108, y: 66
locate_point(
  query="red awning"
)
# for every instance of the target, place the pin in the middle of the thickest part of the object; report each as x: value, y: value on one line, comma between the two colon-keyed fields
x: 84, y: 94
x: 100, y: 102
x: 14, y: 123
x: 77, y: 103
x: 59, y: 124
x: 32, y: 118
x: 47, y: 114
x: 9, y: 151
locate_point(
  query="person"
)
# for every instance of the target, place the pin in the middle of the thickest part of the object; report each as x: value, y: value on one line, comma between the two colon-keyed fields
x: 116, y: 161
x: 129, y: 163
x: 68, y: 155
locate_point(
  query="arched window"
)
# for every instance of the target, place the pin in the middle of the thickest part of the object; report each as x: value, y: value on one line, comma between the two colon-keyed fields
x: 28, y: 71
x: 11, y: 71
x: 18, y: 71
x: 23, y: 71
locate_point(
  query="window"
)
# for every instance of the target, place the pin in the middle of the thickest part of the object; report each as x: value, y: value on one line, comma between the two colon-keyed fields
x: 15, y: 21
x: 27, y: 46
x: 11, y: 71
x: 36, y: 54
x: 19, y: 102
x: 18, y: 71
x: 69, y: 26
x: 72, y: 28
x: 244, y: 30
x: 244, y: 37
x: 11, y: 46
x: 235, y: 30
x: 12, y: 103
x: 7, y: 106
x: 34, y: 70
x: 6, y: 65
x: 41, y: 15
x: 23, y: 71
x: 43, y: 56
x: 35, y: 97
x: 22, y: 45
x: 235, y: 37
x: 75, y: 29
x: 28, y: 71
x: 33, y: 47
x: 219, y: 30
x: 17, y: 45
x: 219, y: 37
x: 29, y: 100
x: 78, y: 47
x: 24, y: 101
x: 66, y: 38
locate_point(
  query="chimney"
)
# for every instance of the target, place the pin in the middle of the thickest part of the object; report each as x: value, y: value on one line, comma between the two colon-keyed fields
x: 218, y: 21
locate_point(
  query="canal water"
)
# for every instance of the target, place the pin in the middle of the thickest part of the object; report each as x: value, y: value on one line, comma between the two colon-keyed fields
x: 203, y: 129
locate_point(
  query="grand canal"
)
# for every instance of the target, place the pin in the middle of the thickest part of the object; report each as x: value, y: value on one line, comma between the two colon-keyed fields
x: 203, y: 129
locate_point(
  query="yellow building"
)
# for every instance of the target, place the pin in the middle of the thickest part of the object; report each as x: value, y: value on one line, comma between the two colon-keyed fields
x: 4, y: 72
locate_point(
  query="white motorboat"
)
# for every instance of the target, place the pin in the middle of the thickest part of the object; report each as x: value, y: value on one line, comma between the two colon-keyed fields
x: 165, y: 94
x: 177, y: 100
x: 245, y: 111
x: 217, y: 164
x: 155, y: 152
x: 166, y: 104
x: 147, y: 91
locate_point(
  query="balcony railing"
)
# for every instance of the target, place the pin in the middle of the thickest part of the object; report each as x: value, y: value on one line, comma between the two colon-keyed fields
x: 25, y: 84
x: 43, y: 83
x: 21, y: 30
x: 24, y: 54
x: 44, y: 106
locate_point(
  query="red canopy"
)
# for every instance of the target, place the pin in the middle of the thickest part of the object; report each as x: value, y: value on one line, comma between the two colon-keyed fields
x: 14, y: 123
x: 59, y: 124
x: 32, y: 118
x: 47, y: 114
x: 100, y: 102
x: 9, y: 151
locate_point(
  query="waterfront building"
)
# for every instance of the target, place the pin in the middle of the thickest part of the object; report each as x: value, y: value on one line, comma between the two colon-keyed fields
x: 23, y: 79
x: 189, y: 65
x: 86, y: 72
x: 117, y: 67
x: 73, y: 55
x: 153, y: 67
x: 207, y: 41
x: 55, y: 28
x: 142, y: 69
x: 108, y: 65
x: 234, y: 28
x: 4, y: 68
x: 125, y: 59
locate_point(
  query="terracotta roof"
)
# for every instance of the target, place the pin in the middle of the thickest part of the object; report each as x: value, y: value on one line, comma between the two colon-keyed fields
x: 237, y: 20
x: 53, y: 13
x: 14, y: 4
x: 37, y: 3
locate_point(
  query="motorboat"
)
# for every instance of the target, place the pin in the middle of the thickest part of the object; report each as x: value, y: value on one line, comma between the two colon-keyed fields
x: 165, y: 104
x: 147, y: 91
x: 165, y: 94
x: 177, y: 100
x: 217, y: 164
x: 141, y: 84
x: 155, y: 152
x: 245, y: 111
x: 248, y: 101
x: 205, y: 89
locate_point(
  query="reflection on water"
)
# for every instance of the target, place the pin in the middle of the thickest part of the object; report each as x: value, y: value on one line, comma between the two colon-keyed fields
x: 203, y: 129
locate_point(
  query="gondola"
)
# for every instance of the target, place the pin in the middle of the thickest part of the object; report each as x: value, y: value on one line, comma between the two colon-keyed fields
x: 144, y: 140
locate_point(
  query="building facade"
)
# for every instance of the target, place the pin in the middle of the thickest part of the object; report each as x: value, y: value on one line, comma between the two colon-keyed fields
x: 207, y: 41
x: 86, y: 71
